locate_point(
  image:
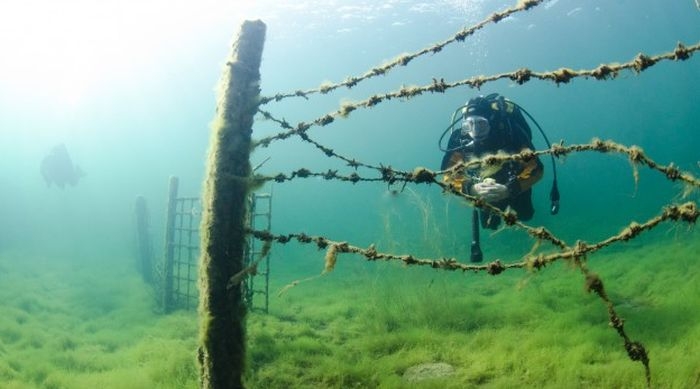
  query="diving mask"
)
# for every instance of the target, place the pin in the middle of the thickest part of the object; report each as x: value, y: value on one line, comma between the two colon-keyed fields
x: 477, y: 127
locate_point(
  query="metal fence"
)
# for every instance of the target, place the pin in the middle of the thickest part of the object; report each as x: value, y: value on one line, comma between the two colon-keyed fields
x: 175, y: 278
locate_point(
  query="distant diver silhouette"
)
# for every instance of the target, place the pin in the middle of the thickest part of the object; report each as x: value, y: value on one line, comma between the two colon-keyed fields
x: 57, y: 168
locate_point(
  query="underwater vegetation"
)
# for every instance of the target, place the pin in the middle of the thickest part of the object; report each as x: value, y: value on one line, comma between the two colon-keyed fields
x: 515, y: 330
x: 86, y: 323
x: 81, y: 323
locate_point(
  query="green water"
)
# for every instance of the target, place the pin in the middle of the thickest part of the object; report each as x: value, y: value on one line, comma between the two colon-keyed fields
x: 130, y: 91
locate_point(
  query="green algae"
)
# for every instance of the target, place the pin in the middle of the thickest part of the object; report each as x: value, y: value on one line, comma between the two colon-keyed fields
x: 365, y: 325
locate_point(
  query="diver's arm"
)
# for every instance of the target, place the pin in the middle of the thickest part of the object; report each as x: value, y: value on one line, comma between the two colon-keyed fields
x: 530, y: 173
x: 454, y: 178
x: 509, y: 182
x: 450, y: 159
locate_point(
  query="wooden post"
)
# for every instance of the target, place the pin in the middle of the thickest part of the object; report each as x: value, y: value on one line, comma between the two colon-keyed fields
x: 168, y: 263
x: 143, y: 237
x: 221, y: 352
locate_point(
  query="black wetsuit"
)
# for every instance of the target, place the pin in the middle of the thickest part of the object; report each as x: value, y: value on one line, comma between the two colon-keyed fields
x: 509, y: 133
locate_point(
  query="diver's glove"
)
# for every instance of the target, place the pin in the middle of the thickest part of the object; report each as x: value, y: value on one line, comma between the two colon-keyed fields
x: 490, y: 190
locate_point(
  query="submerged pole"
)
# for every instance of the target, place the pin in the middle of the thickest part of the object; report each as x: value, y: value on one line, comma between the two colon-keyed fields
x: 222, y: 310
x: 143, y: 238
x: 169, y: 260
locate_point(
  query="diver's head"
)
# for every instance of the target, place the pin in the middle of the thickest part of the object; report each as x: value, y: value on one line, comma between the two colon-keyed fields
x: 479, y: 106
x: 475, y: 118
x: 477, y: 127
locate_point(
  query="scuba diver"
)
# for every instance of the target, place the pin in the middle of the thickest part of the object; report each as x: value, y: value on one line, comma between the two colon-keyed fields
x: 493, y: 125
x: 58, y: 168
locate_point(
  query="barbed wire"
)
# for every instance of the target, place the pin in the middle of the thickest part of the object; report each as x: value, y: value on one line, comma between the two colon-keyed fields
x: 405, y: 59
x: 635, y: 154
x: 686, y: 212
x: 326, y: 150
x: 564, y: 75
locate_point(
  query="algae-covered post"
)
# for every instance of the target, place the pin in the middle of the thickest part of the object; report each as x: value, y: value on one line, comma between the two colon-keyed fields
x: 143, y: 238
x: 221, y: 352
x: 167, y: 297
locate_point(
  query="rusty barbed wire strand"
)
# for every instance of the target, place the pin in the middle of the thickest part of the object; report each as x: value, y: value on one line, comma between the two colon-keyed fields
x: 635, y: 154
x: 562, y: 76
x: 405, y: 59
x: 352, y: 162
x: 686, y: 212
x: 635, y: 350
